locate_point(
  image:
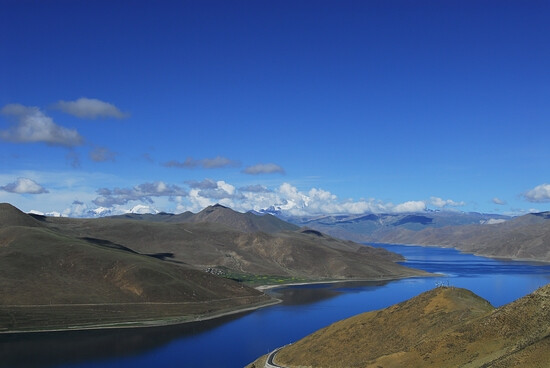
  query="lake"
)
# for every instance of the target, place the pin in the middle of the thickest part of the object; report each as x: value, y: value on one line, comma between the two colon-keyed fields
x: 237, y: 340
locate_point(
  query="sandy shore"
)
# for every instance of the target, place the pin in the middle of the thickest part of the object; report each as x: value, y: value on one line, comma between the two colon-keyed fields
x: 274, y: 286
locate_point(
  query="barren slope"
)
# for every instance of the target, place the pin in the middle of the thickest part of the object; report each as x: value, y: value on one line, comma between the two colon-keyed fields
x: 203, y: 245
x: 444, y: 327
x: 52, y: 280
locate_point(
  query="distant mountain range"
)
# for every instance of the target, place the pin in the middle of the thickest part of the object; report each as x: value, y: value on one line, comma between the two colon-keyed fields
x: 444, y: 327
x: 58, y: 272
x: 244, y: 222
x: 374, y: 226
x: 524, y: 237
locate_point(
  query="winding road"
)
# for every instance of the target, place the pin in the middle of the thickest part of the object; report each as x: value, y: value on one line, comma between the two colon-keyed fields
x: 269, y: 361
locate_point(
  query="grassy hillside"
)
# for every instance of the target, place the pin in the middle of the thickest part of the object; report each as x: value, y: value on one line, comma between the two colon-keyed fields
x: 444, y: 327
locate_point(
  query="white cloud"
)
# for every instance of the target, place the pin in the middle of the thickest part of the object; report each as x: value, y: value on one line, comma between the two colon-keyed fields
x: 286, y: 199
x: 226, y: 187
x: 439, y: 202
x: 264, y: 169
x: 90, y: 108
x: 24, y: 186
x: 499, y: 201
x: 206, y: 163
x: 410, y: 206
x: 142, y: 192
x: 72, y: 194
x: 33, y: 126
x: 539, y: 194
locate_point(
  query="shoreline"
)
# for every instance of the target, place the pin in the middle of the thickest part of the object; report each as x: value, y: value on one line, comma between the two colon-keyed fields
x: 190, y: 319
x: 275, y: 286
x: 463, y: 251
x: 150, y: 323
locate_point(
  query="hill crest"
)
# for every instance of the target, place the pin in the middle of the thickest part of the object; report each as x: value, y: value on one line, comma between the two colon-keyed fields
x: 443, y: 327
x: 12, y: 216
x: 245, y: 222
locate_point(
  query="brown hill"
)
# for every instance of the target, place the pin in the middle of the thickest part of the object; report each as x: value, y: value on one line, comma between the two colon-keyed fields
x: 51, y: 280
x: 244, y: 222
x: 218, y: 214
x: 444, y: 327
x: 56, y: 272
x: 524, y: 237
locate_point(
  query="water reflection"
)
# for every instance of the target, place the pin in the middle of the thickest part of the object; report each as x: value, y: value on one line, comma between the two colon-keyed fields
x: 308, y: 294
x: 67, y: 347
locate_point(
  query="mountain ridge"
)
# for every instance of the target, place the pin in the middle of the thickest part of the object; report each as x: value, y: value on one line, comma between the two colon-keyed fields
x: 524, y: 237
x: 138, y: 270
x: 219, y: 214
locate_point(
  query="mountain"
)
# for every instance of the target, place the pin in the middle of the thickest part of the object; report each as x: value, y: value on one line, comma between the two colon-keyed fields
x: 158, y: 217
x: 57, y: 271
x: 244, y: 222
x: 524, y: 237
x: 444, y: 327
x: 50, y: 280
x: 301, y: 253
x: 373, y: 227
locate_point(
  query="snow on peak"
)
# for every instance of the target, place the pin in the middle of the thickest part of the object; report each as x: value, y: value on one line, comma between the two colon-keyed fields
x: 142, y: 209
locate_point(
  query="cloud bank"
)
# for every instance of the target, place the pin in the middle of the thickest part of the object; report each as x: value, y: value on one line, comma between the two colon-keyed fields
x: 141, y: 193
x: 285, y: 199
x: 90, y: 108
x: 33, y: 126
x: 24, y: 186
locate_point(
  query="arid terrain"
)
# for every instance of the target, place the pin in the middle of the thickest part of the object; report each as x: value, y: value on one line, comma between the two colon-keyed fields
x: 444, y: 327
x: 58, y: 273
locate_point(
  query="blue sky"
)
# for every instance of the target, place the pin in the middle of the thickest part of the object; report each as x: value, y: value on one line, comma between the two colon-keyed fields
x: 311, y: 107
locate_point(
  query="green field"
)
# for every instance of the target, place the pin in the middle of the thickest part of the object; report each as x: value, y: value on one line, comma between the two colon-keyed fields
x: 257, y: 280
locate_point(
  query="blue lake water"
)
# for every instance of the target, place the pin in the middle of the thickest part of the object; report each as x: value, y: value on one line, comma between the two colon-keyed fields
x: 237, y: 340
